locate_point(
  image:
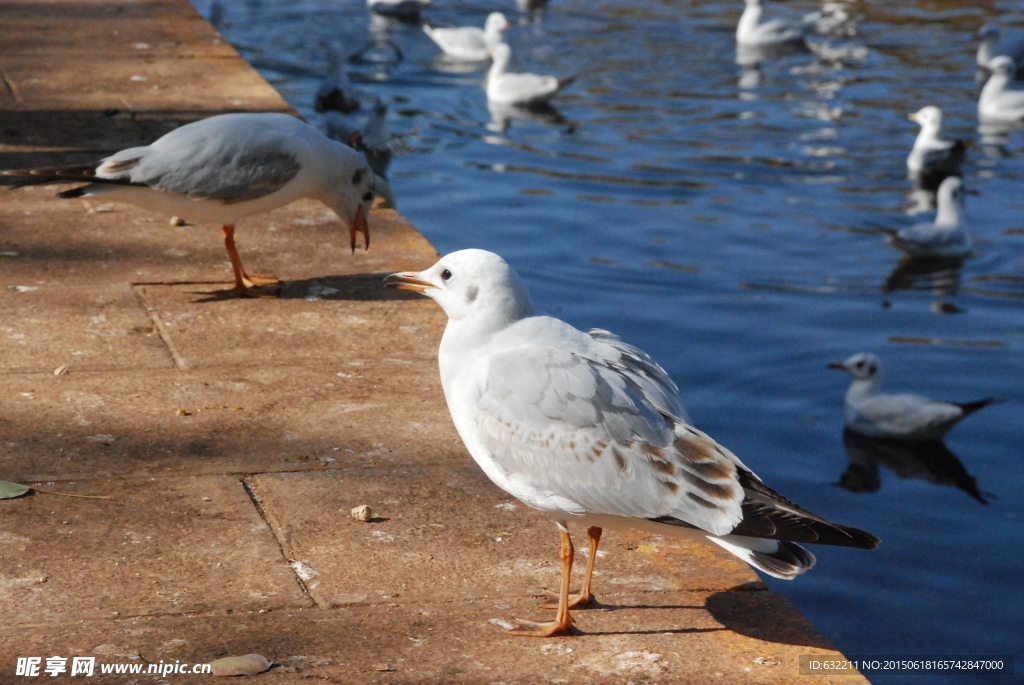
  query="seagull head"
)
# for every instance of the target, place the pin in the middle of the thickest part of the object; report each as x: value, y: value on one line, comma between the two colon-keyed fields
x: 496, y: 23
x: 988, y: 32
x: 1002, y: 66
x: 929, y: 118
x: 472, y: 286
x: 863, y: 366
x: 350, y: 191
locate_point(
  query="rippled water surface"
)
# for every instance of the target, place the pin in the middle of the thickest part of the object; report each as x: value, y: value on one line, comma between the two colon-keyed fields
x: 721, y: 218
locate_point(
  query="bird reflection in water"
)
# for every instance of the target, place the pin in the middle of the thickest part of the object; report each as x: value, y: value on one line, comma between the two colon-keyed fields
x: 927, y: 460
x: 540, y: 112
x: 940, y: 275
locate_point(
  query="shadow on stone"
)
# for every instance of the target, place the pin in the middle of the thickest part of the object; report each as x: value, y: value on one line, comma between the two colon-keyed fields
x: 766, y: 616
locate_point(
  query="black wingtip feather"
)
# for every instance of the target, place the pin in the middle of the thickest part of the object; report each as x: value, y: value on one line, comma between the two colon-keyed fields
x: 787, y: 562
x: 971, y: 407
x: 74, y: 192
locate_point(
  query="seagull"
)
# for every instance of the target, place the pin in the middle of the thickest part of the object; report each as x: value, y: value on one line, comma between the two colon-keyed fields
x: 519, y: 89
x: 589, y: 429
x: 907, y: 417
x: 751, y: 31
x: 469, y: 42
x: 996, y: 103
x: 933, y: 159
x: 224, y: 168
x: 408, y: 10
x: 372, y: 141
x: 335, y: 92
x: 995, y: 43
x: 945, y: 237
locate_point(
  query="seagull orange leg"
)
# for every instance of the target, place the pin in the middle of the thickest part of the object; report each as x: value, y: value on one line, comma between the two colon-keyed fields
x: 584, y: 597
x: 563, y: 621
x: 243, y: 283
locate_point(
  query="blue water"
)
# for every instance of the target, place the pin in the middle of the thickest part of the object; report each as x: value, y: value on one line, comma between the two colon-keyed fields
x: 714, y: 216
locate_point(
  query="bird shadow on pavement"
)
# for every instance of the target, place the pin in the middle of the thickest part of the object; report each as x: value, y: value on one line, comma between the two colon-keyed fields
x: 352, y: 287
x: 763, y: 615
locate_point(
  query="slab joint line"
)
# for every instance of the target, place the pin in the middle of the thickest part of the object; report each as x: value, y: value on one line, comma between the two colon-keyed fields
x: 247, y: 484
x: 179, y: 361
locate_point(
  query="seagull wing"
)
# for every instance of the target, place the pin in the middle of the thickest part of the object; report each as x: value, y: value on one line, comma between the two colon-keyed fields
x: 229, y: 158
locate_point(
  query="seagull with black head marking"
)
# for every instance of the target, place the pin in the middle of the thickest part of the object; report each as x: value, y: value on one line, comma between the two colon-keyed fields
x: 589, y: 429
x: 908, y: 417
x: 225, y: 168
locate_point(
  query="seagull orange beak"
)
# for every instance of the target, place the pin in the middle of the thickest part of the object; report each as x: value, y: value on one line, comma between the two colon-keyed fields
x: 837, y: 365
x: 912, y: 117
x: 359, y: 225
x: 407, y: 280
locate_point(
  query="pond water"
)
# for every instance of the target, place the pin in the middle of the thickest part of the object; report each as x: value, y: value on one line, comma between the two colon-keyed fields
x: 721, y: 218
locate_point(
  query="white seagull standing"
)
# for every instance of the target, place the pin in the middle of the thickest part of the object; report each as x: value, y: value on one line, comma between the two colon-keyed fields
x: 945, y: 237
x: 996, y: 102
x: 519, y: 89
x: 590, y: 430
x: 227, y: 167
x: 931, y: 155
x: 995, y: 43
x: 470, y: 43
x: 907, y: 417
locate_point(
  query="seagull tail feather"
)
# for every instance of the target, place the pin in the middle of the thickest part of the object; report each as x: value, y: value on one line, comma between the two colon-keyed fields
x: 777, y: 558
x: 971, y: 407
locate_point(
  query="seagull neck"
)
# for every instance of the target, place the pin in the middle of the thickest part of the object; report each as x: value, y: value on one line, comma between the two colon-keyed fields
x: 499, y: 65
x: 928, y: 136
x: 948, y: 215
x: 862, y: 389
x: 995, y: 85
x: 749, y: 20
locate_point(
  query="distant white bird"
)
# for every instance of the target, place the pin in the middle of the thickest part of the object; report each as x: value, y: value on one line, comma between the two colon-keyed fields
x: 908, y: 417
x: 519, y: 89
x: 996, y: 42
x: 227, y: 167
x: 931, y: 156
x: 408, y: 10
x: 946, y: 236
x: 752, y: 30
x: 996, y: 102
x: 336, y: 93
x: 469, y: 42
x: 589, y: 429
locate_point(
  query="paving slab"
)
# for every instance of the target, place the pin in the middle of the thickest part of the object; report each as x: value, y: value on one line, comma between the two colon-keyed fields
x: 94, y: 328
x: 448, y: 534
x: 167, y: 546
x: 247, y: 419
x: 72, y: 242
x: 666, y: 638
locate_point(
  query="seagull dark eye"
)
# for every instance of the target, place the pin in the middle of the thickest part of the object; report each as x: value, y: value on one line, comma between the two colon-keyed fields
x: 860, y: 364
x: 871, y: 369
x: 368, y: 196
x: 445, y: 275
x: 357, y: 177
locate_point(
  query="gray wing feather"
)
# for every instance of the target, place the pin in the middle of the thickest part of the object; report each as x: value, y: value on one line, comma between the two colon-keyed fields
x: 588, y: 427
x: 231, y: 161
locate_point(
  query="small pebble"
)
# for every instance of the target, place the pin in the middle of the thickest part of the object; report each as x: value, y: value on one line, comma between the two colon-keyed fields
x: 362, y: 513
x: 177, y: 221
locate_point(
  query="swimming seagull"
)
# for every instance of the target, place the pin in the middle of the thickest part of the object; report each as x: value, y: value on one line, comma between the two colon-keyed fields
x: 469, y: 42
x: 946, y: 236
x: 907, y: 417
x: 933, y: 159
x: 590, y: 430
x: 995, y: 43
x: 406, y: 10
x: 752, y: 31
x: 519, y: 89
x: 996, y: 103
x: 335, y: 93
x: 224, y: 168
